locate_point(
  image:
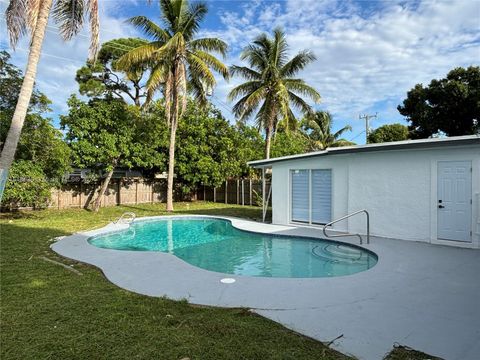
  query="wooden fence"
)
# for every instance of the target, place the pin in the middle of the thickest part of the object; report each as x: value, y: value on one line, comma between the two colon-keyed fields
x: 240, y: 192
x: 119, y: 192
x: 131, y: 192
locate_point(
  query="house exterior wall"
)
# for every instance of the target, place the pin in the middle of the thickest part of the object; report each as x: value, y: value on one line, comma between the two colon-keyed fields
x: 397, y: 187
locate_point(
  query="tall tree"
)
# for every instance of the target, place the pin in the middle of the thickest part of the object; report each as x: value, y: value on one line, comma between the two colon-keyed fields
x: 31, y: 16
x: 102, y: 78
x: 318, y: 128
x: 387, y: 133
x: 100, y: 134
x: 180, y: 64
x: 271, y: 86
x: 450, y: 105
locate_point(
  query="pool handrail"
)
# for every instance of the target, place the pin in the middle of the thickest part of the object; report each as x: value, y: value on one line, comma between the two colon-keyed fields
x: 128, y: 221
x: 348, y: 234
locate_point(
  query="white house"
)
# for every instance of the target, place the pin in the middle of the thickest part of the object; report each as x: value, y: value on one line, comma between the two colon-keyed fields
x: 421, y: 190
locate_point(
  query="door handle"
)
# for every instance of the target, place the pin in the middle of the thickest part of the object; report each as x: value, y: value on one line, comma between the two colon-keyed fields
x: 441, y: 206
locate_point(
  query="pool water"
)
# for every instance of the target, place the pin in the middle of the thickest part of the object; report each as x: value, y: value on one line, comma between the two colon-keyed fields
x: 214, y: 244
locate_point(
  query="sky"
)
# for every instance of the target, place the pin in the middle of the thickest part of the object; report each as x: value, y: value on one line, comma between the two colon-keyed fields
x: 369, y: 53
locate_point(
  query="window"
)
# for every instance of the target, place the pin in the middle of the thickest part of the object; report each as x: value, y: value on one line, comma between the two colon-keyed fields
x: 311, y: 196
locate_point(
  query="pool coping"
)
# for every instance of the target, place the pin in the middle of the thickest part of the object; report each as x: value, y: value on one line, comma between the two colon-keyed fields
x: 294, y: 302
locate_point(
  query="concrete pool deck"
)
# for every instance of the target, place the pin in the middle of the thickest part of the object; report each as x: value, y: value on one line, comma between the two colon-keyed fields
x: 420, y: 295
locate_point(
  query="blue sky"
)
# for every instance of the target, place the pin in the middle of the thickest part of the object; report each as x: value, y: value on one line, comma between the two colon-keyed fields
x: 369, y: 53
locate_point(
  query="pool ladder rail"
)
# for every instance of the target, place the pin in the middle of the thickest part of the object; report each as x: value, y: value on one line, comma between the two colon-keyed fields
x: 348, y: 234
x: 126, y: 218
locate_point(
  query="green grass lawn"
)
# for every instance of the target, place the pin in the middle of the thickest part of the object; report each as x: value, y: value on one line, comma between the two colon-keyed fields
x: 48, y: 312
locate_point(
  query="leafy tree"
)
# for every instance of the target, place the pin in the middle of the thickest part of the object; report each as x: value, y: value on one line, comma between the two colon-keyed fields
x: 318, y: 129
x: 387, y: 133
x: 102, y: 78
x: 26, y: 186
x: 180, y: 64
x: 270, y: 85
x: 31, y: 17
x: 450, y: 105
x: 289, y: 143
x: 100, y: 134
x: 209, y: 149
x: 39, y: 141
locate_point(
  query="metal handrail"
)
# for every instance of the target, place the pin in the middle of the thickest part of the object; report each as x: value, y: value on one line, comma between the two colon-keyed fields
x: 347, y: 234
x: 132, y: 218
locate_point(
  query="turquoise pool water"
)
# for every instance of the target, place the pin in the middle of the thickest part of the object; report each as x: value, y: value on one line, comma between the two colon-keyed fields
x: 214, y: 244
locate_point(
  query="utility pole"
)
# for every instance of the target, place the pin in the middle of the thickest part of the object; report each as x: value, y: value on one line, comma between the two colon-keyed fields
x: 367, y: 117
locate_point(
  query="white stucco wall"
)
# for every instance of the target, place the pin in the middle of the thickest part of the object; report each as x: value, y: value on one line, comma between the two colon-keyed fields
x: 398, y: 188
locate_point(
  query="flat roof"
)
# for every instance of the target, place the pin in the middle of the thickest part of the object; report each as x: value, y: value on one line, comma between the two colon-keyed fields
x: 395, y: 145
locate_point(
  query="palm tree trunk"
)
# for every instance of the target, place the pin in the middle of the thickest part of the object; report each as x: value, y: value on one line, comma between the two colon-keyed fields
x: 171, y: 165
x: 268, y: 142
x: 13, y: 136
x: 173, y: 130
x: 98, y: 200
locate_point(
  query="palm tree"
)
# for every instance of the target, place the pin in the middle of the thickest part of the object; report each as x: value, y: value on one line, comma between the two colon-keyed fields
x: 31, y: 16
x: 270, y: 84
x: 180, y: 64
x: 318, y: 129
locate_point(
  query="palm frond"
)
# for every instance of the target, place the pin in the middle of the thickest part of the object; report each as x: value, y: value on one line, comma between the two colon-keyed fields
x: 299, y: 86
x: 192, y: 19
x: 299, y: 103
x: 279, y: 48
x: 209, y: 44
x: 244, y: 89
x: 69, y: 15
x: 149, y: 28
x: 15, y: 16
x: 245, y: 72
x: 214, y: 63
x: 199, y: 69
x: 144, y: 53
x: 297, y: 63
x: 341, y: 131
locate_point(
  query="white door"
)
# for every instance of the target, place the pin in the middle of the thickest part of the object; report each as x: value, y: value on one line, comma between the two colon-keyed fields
x: 454, y: 201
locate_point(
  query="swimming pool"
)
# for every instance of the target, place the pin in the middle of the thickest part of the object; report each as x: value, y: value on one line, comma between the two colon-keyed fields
x: 214, y: 244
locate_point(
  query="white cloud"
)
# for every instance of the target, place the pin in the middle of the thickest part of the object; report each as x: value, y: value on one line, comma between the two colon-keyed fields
x: 60, y: 60
x: 368, y: 58
x: 369, y: 54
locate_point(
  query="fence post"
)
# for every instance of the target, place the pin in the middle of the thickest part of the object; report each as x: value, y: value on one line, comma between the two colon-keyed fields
x: 243, y: 192
x: 250, y: 190
x: 152, y: 184
x: 136, y: 192
x: 80, y: 195
x: 214, y: 194
x: 204, y: 194
x: 226, y: 193
x: 238, y: 191
x: 119, y: 190
x: 58, y: 200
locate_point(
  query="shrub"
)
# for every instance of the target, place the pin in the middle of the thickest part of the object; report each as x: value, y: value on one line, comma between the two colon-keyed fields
x: 27, y: 186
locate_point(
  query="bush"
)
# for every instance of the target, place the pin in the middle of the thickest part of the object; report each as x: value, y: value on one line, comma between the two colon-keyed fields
x: 27, y: 186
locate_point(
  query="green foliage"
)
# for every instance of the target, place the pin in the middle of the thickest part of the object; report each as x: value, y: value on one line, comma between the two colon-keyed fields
x: 103, y: 79
x: 27, y: 186
x: 210, y: 150
x: 11, y: 79
x: 289, y: 143
x: 39, y: 141
x: 99, y: 133
x: 318, y: 129
x: 450, y: 105
x: 271, y: 88
x: 387, y: 133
